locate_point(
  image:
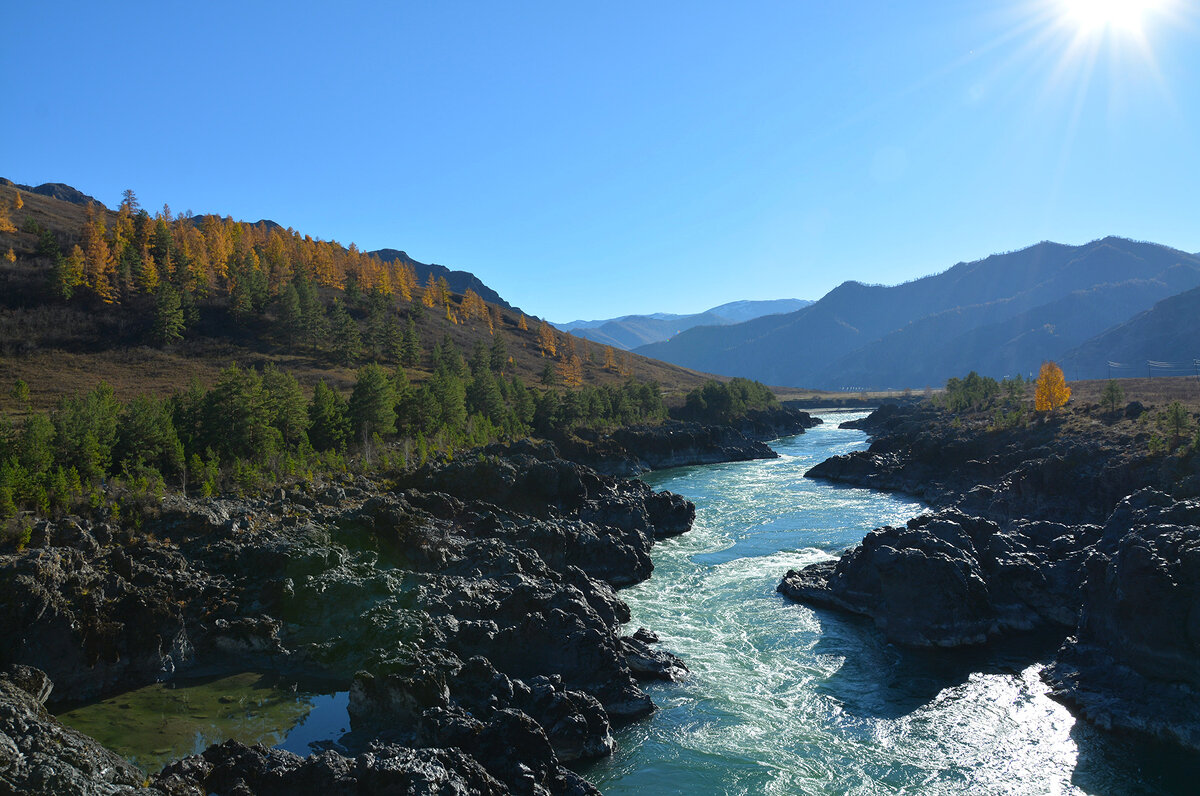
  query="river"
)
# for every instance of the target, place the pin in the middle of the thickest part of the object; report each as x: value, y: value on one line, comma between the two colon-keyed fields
x: 785, y: 699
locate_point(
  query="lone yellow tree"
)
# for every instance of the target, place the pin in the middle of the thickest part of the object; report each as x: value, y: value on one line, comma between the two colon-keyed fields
x: 547, y: 340
x: 1051, y: 390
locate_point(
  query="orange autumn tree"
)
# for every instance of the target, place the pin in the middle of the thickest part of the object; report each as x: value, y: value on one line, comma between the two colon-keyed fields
x: 1051, y: 390
x: 547, y: 340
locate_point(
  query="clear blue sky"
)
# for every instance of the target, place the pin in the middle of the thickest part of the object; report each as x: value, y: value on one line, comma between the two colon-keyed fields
x: 591, y: 160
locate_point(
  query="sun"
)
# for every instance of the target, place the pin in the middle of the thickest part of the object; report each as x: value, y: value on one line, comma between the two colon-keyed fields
x: 1109, y: 16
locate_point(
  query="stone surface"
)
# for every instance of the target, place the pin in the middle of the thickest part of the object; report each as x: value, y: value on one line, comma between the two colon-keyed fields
x: 1016, y: 544
x: 473, y: 608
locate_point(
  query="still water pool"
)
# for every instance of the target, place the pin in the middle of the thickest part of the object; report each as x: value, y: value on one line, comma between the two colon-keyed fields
x: 154, y: 725
x: 785, y: 699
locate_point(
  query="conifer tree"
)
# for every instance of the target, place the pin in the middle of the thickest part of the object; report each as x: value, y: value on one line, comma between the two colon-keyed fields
x: 372, y: 404
x: 68, y: 273
x: 410, y: 345
x: 6, y: 224
x: 286, y: 406
x: 523, y: 323
x: 347, y: 342
x: 429, y: 295
x: 169, y: 320
x: 547, y: 340
x: 329, y: 419
x: 1112, y: 396
x: 498, y: 355
x: 237, y: 417
x: 99, y: 269
x: 291, y: 317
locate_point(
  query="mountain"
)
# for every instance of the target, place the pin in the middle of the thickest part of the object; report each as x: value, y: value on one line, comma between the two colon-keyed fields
x: 1000, y: 315
x: 54, y: 190
x: 1168, y: 332
x: 738, y: 311
x: 631, y: 331
x: 459, y: 281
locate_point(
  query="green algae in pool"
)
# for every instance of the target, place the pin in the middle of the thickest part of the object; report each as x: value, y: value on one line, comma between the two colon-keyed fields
x: 154, y: 725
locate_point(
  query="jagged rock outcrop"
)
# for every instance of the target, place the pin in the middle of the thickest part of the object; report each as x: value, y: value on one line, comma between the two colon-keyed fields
x: 40, y: 757
x: 473, y: 609
x: 1044, y: 471
x: 235, y: 768
x: 674, y: 443
x: 991, y: 560
x: 948, y: 579
x: 1134, y: 661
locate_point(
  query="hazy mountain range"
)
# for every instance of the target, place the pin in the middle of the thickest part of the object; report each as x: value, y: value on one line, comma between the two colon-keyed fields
x: 1000, y: 315
x: 631, y: 331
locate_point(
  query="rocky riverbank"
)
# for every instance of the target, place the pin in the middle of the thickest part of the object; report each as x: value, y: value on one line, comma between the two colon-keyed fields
x: 1068, y: 524
x: 469, y: 607
x: 675, y: 443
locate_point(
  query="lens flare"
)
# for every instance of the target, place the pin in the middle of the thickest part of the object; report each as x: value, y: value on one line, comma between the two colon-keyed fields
x: 1117, y: 16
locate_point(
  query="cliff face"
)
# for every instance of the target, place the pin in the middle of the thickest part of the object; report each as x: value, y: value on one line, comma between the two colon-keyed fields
x: 472, y: 606
x: 1067, y: 525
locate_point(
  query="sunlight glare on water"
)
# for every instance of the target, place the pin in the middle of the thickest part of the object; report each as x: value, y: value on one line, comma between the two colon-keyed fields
x: 783, y: 699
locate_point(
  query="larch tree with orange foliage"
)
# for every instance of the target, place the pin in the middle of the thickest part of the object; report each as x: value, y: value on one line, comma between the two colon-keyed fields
x: 1051, y: 390
x: 429, y: 296
x: 405, y: 280
x: 610, y: 359
x: 99, y: 269
x: 571, y: 371
x: 6, y: 224
x: 523, y: 324
x: 547, y: 340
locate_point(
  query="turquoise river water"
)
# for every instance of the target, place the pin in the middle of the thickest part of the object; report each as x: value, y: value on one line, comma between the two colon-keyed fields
x: 785, y: 699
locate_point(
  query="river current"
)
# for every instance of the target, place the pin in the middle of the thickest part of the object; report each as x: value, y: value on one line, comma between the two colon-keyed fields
x: 785, y: 699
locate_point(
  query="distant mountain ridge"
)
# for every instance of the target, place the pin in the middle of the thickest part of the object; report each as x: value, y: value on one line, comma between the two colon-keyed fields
x: 1000, y: 315
x: 1168, y: 332
x: 631, y: 331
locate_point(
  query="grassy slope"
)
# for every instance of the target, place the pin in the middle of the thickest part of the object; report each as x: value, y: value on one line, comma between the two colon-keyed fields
x: 59, y: 348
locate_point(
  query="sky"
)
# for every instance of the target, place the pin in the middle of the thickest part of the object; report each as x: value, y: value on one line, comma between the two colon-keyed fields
x: 589, y: 160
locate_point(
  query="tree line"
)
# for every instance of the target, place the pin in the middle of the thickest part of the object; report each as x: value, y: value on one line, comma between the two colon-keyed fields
x: 254, y: 427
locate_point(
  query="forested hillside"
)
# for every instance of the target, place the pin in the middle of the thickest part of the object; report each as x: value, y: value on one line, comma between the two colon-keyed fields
x: 147, y: 301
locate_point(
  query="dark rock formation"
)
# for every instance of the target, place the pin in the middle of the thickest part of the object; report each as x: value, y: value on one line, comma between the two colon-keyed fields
x: 474, y: 610
x: 637, y: 449
x: 55, y: 190
x: 1045, y: 471
x: 234, y: 769
x: 948, y: 579
x: 1013, y: 548
x: 40, y: 757
x: 1134, y: 661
